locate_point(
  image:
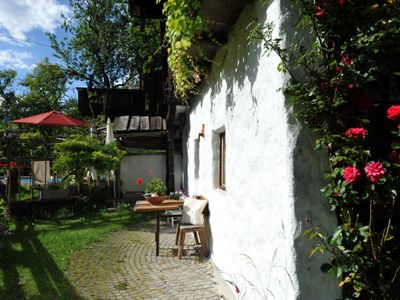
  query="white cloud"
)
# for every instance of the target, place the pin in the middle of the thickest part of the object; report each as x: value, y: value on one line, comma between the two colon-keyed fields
x: 19, y: 17
x: 13, y: 42
x: 10, y: 59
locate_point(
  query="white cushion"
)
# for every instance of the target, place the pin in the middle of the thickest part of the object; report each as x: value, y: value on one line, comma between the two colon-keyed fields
x: 193, y: 211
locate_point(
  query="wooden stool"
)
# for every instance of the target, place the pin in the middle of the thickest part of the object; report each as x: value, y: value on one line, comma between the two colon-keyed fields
x: 199, y: 236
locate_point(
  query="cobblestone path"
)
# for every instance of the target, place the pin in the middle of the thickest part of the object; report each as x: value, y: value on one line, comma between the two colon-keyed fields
x: 124, y: 266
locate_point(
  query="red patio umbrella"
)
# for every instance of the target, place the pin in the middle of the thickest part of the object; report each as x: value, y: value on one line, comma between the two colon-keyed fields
x: 51, y: 118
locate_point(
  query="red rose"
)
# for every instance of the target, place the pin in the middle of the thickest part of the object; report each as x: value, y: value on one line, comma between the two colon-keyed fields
x: 393, y: 113
x: 341, y: 2
x: 319, y: 12
x: 349, y: 86
x: 139, y: 181
x: 347, y: 61
x: 356, y: 133
x: 351, y: 174
x: 375, y: 171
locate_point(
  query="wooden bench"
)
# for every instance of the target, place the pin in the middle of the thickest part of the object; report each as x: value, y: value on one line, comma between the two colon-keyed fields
x: 53, y: 199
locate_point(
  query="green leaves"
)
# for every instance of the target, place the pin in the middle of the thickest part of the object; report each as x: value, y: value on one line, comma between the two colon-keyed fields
x: 317, y: 248
x: 156, y: 186
x: 337, y: 237
x: 184, y: 26
x: 77, y: 155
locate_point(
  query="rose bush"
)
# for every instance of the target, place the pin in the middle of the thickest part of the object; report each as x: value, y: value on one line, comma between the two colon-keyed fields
x: 351, y: 83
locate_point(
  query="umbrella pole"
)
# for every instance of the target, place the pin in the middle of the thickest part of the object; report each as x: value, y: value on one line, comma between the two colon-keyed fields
x: 32, y: 177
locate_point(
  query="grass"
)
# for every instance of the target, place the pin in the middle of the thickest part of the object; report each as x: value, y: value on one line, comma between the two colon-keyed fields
x: 33, y: 258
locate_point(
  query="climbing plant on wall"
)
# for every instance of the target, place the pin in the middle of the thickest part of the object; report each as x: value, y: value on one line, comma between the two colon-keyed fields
x: 346, y: 87
x: 184, y: 26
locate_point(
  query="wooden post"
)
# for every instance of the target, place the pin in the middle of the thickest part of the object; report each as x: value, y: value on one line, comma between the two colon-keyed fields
x: 157, y: 232
x: 118, y: 181
x: 170, y: 148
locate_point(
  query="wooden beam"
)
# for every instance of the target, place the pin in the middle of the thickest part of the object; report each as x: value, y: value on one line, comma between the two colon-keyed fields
x: 170, y: 164
x: 127, y: 135
x: 145, y: 143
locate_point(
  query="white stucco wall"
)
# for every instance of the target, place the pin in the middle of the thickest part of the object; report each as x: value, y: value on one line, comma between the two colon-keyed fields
x: 273, y: 175
x: 138, y: 166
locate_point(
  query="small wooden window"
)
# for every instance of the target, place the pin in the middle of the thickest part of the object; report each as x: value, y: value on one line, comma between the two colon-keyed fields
x: 222, y: 152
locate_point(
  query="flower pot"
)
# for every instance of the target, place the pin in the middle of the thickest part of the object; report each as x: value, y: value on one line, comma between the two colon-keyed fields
x: 155, y: 200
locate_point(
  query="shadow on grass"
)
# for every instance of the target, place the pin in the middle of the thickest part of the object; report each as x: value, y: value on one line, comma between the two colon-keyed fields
x: 23, y: 253
x: 31, y: 257
x: 88, y: 220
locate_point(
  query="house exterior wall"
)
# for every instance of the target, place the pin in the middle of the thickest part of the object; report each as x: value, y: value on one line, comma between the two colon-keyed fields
x: 273, y: 174
x: 135, y: 166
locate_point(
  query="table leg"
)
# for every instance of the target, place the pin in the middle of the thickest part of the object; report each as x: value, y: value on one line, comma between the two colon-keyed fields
x: 157, y: 233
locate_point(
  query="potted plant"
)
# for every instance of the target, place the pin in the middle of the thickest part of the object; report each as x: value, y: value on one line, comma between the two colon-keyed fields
x: 155, y: 191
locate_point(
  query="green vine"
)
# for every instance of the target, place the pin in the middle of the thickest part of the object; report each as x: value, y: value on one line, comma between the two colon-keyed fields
x: 184, y: 26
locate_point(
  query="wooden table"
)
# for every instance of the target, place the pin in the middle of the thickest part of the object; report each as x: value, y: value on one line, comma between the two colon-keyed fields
x: 145, y: 206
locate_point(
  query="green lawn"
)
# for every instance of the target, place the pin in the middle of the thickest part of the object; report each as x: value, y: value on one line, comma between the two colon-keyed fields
x: 33, y: 258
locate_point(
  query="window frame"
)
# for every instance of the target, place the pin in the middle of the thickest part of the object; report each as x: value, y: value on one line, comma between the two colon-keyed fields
x: 222, y: 160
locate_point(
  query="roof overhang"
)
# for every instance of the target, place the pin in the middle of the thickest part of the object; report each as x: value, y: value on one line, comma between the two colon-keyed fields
x: 220, y: 16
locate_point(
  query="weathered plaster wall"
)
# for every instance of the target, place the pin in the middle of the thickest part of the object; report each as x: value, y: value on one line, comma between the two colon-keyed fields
x: 273, y: 174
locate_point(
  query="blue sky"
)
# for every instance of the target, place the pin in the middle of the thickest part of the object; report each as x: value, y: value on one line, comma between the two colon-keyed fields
x: 23, y: 27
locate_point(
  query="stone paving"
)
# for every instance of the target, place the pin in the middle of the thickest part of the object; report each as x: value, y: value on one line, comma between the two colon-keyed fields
x: 124, y: 266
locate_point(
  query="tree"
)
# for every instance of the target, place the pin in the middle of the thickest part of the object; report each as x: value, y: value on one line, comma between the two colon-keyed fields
x: 77, y: 155
x: 7, y: 93
x: 108, y: 48
x: 46, y: 89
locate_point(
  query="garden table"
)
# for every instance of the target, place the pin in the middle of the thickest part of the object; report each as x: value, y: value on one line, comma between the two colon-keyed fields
x: 145, y: 206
